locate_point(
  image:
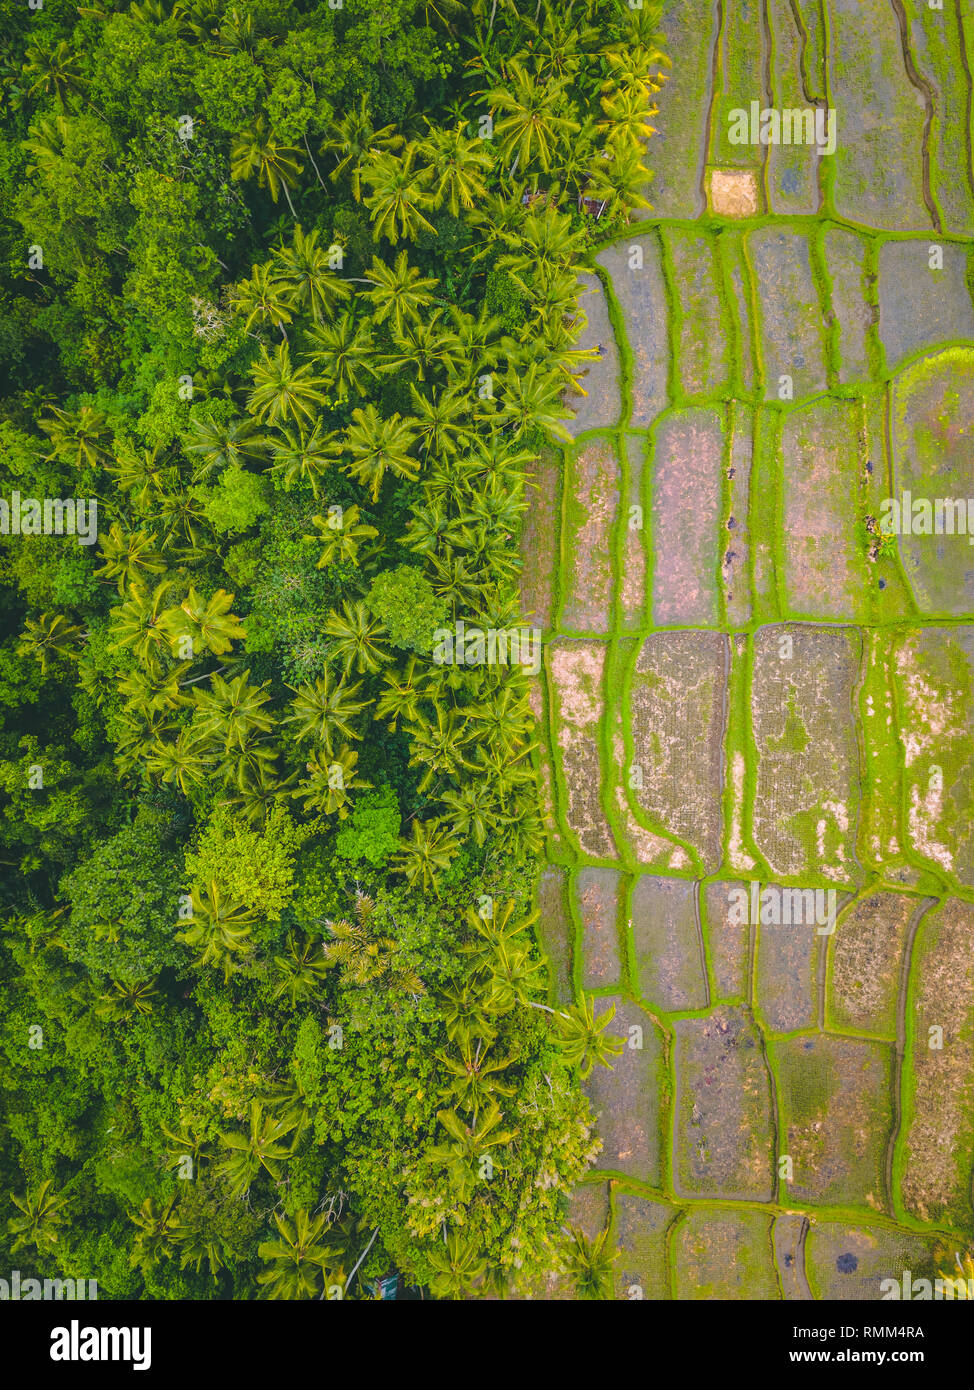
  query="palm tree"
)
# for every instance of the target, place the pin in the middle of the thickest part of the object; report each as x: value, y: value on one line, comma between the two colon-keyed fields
x: 588, y: 1263
x: 358, y: 638
x: 282, y: 392
x: 41, y: 1213
x: 473, y: 810
x: 428, y: 346
x: 439, y: 747
x: 582, y: 1038
x: 544, y: 238
x: 352, y: 138
x: 532, y: 400
x: 82, y: 438
x: 457, y: 1266
x: 429, y: 853
x: 138, y: 624
x: 324, y: 709
x: 618, y: 182
x: 125, y: 999
x: 207, y: 623
x: 259, y: 1147
x: 342, y: 535
x: 398, y: 195
x: 220, y: 928
x: 301, y: 972
x: 469, y: 1145
x: 299, y: 457
x: 277, y: 165
x: 444, y: 424
x: 378, y: 446
x: 400, y: 700
x: 298, y: 1258
x: 538, y: 118
x: 50, y: 637
x: 627, y: 125
x: 129, y: 556
x: 53, y: 72
x: 156, y: 1228
x: 303, y: 272
x: 473, y: 1076
x: 399, y: 292
x: 220, y: 444
x: 182, y: 761
x: 343, y: 353
x: 262, y: 299
x: 330, y: 780
x: 231, y: 712
x: 457, y: 167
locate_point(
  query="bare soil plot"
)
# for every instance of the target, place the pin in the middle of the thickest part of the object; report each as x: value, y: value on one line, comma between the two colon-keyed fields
x: 935, y: 689
x: 868, y: 951
x: 679, y: 154
x: 835, y: 1117
x: 939, y: 1080
x: 724, y: 1254
x: 920, y: 307
x: 878, y: 158
x: 792, y: 337
x: 589, y: 1209
x: 636, y: 272
x: 786, y: 976
x: 792, y: 169
x: 592, y: 482
x: 667, y: 945
x: 687, y: 500
x: 736, y: 558
x: 723, y: 1139
x: 936, y: 43
x: 676, y: 712
x: 933, y: 455
x: 626, y: 1100
x: 639, y: 1231
x: 825, y: 565
x: 806, y: 797
x: 601, y: 407
x: 703, y: 346
x: 845, y: 264
x: 557, y: 932
x: 632, y: 591
x: 728, y: 939
x: 539, y: 539
x: 788, y: 1235
x: 575, y: 672
x: 596, y: 893
x: 850, y: 1262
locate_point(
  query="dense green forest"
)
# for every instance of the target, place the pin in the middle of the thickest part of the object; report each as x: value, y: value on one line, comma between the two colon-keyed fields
x: 288, y: 303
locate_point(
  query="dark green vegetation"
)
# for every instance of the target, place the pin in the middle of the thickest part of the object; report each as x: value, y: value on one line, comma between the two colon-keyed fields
x: 271, y: 996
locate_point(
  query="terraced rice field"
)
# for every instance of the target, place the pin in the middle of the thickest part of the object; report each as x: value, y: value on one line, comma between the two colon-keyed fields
x: 743, y: 687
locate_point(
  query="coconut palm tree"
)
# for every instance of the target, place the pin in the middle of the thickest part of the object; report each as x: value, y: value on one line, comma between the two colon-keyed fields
x: 330, y: 780
x: 458, y: 167
x: 398, y: 195
x: 458, y: 1266
x: 399, y: 293
x: 261, y: 1146
x: 379, y: 446
x: 588, y: 1263
x: 222, y: 444
x: 230, y: 713
x: 582, y: 1037
x: 469, y: 1144
x: 137, y: 625
x: 156, y: 1226
x: 301, y: 972
x: 182, y: 761
x: 42, y: 1211
x: 351, y: 138
x: 328, y: 707
x: 257, y: 150
x: 283, y: 392
x: 537, y: 118
x: 262, y: 299
x: 78, y: 438
x: 342, y: 534
x: 473, y: 1076
x: 220, y: 928
x: 343, y: 352
x: 301, y: 457
x: 305, y: 276
x: 359, y: 640
x: 49, y: 638
x: 129, y: 556
x: 207, y: 624
x: 428, y: 854
x: 297, y: 1261
x: 619, y: 180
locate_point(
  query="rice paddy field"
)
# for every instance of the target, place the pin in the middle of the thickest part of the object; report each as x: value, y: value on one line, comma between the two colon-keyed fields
x: 747, y: 685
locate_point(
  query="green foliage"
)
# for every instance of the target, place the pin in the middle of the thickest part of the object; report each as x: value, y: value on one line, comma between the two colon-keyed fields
x: 372, y: 834
x: 404, y: 601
